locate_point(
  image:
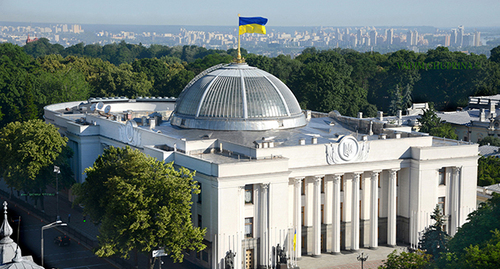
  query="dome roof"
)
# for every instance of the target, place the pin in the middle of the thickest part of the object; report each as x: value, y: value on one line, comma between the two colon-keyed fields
x: 237, y: 97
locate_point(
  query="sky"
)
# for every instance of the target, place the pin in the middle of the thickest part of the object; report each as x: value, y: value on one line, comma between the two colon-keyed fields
x: 438, y: 13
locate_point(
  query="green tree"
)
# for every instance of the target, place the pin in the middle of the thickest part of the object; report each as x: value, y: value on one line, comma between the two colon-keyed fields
x: 27, y: 148
x: 428, y: 120
x: 434, y: 239
x: 476, y: 231
x: 444, y: 130
x: 488, y: 171
x: 432, y: 124
x: 407, y: 260
x: 495, y: 54
x: 490, y: 140
x: 486, y: 255
x: 140, y: 203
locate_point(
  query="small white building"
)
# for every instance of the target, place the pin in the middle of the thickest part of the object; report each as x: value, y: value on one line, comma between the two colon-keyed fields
x: 270, y: 172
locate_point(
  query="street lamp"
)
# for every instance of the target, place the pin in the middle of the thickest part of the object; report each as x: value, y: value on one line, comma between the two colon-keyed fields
x: 57, y: 170
x: 48, y: 226
x: 362, y: 258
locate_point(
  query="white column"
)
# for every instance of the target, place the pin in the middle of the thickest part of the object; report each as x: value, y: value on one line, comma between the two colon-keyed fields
x: 240, y: 252
x: 374, y: 210
x: 264, y: 228
x: 355, y: 213
x: 336, y: 214
x: 455, y: 182
x: 391, y: 212
x: 328, y: 211
x: 317, y: 216
x: 297, y: 182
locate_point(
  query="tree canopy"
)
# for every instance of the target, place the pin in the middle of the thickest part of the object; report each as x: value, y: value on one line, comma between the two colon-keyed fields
x: 28, y: 148
x: 141, y: 204
x: 432, y: 124
x: 407, y: 260
x: 435, y: 239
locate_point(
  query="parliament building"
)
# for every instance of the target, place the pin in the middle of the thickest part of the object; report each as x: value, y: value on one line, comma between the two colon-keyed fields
x: 273, y: 174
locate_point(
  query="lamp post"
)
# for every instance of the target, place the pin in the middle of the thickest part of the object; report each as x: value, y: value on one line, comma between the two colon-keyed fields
x: 57, y: 170
x: 362, y: 258
x: 48, y: 226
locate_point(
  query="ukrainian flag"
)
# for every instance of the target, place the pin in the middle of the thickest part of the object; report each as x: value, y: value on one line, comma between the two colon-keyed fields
x: 294, y: 239
x: 253, y: 25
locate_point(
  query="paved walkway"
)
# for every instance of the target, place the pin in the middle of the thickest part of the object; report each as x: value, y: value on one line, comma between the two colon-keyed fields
x: 348, y: 260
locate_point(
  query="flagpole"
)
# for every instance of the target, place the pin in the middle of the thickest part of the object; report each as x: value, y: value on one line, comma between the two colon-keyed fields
x: 239, y: 53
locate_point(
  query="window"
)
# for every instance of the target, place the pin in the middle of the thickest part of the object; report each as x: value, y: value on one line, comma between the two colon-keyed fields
x: 397, y: 179
x: 342, y: 183
x: 361, y: 181
x: 304, y: 186
x: 248, y: 227
x: 249, y: 194
x: 200, y: 223
x: 199, y: 194
x: 442, y: 176
x: 379, y: 180
x: 441, y: 204
x: 322, y: 185
x: 322, y: 214
x: 302, y: 216
x: 341, y: 211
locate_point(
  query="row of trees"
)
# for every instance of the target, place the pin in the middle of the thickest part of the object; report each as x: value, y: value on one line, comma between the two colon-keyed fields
x: 41, y: 73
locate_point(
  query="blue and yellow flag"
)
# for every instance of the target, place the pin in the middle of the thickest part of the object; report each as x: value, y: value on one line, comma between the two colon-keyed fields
x: 253, y: 25
x: 294, y: 239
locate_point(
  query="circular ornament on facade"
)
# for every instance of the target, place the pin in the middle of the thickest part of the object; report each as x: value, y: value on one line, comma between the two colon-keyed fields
x: 129, y: 130
x: 348, y: 148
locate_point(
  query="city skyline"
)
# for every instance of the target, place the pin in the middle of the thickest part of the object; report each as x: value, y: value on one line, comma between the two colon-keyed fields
x: 224, y: 13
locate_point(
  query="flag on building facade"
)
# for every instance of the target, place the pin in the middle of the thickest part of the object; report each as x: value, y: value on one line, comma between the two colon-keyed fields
x: 294, y: 239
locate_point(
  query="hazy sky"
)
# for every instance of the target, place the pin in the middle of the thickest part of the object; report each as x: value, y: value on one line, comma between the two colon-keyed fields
x: 446, y: 13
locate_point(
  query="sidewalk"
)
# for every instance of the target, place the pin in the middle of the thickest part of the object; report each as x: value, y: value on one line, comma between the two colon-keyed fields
x: 348, y: 260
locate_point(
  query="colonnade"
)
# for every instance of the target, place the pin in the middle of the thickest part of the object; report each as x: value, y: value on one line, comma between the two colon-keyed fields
x: 332, y: 210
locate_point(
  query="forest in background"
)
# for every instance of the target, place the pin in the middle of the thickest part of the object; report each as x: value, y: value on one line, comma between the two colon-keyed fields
x: 41, y: 73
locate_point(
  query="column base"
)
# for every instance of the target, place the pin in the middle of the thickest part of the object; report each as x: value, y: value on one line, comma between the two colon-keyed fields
x: 336, y: 253
x: 373, y: 248
x: 316, y: 256
x: 392, y: 246
x: 354, y: 250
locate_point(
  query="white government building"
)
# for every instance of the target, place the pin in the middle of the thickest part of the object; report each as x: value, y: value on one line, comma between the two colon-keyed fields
x: 268, y: 170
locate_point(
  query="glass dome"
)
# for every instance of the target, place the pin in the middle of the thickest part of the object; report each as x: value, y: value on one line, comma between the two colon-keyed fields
x: 237, y: 97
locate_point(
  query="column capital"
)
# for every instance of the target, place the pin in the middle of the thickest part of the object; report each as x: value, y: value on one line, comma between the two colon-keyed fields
x: 241, y: 188
x: 264, y: 186
x: 337, y: 177
x: 317, y: 179
x: 296, y: 180
x: 375, y: 173
x: 356, y: 177
x: 456, y: 170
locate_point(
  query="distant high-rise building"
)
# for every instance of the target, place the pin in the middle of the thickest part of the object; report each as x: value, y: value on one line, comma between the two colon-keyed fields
x: 460, y: 36
x: 453, y: 37
x: 373, y: 38
x: 390, y: 36
x: 354, y: 40
x: 410, y: 37
x: 447, y: 39
x: 477, y: 38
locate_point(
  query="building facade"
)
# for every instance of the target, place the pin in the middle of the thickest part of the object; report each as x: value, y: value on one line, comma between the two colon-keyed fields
x: 271, y: 174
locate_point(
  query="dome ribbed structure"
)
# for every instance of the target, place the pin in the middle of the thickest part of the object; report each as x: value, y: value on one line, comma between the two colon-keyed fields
x: 237, y: 97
